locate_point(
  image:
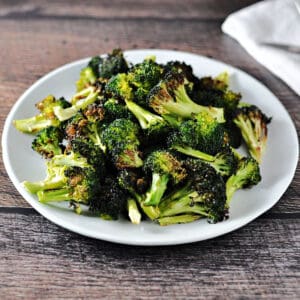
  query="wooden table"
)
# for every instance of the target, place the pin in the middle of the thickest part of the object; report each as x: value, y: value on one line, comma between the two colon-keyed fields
x: 41, y: 260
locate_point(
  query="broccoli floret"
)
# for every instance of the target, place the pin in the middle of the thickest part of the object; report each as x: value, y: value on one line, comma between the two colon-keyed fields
x: 215, y: 92
x: 82, y: 186
x: 163, y: 167
x: 134, y: 184
x: 203, y: 194
x: 79, y: 101
x: 121, y: 140
x: 224, y: 162
x: 111, y: 201
x: 181, y: 67
x: 119, y: 87
x: 170, y: 99
x: 48, y: 141
x: 87, y: 77
x: 45, y: 118
x: 143, y: 77
x: 252, y: 123
x: 233, y: 134
x: 87, y: 129
x: 116, y: 110
x: 201, y: 133
x: 246, y: 175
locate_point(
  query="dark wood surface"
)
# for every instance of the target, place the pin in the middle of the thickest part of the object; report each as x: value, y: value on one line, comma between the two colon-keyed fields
x: 40, y: 260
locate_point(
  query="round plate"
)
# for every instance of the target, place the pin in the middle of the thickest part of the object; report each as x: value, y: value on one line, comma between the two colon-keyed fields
x: 277, y: 168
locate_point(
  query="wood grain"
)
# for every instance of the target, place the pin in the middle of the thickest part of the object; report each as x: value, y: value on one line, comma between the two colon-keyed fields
x: 257, y: 261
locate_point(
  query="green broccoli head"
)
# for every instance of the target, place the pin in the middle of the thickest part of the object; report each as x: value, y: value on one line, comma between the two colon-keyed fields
x: 121, y: 140
x: 169, y: 98
x: 87, y: 77
x: 48, y: 142
x: 143, y: 77
x: 115, y: 109
x: 252, y: 123
x: 246, y: 176
x: 118, y: 86
x: 202, y: 194
x: 163, y: 167
x: 111, y: 201
x: 202, y: 133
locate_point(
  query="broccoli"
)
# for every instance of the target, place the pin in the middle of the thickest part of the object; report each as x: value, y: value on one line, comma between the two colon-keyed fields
x: 180, y: 219
x: 143, y: 77
x: 81, y: 100
x: 202, y: 194
x: 111, y: 201
x: 201, y: 133
x: 163, y: 167
x: 246, y: 175
x: 170, y: 99
x: 48, y: 141
x: 134, y: 184
x: 252, y: 123
x: 113, y: 109
x: 215, y: 92
x: 119, y: 87
x: 120, y: 138
x: 82, y: 186
x: 154, y: 126
x: 133, y: 211
x: 87, y: 77
x: 88, y: 129
x: 45, y: 118
x: 224, y: 162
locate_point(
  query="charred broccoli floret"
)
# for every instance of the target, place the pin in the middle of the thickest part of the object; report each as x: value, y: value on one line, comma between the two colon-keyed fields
x: 143, y: 77
x: 135, y: 184
x: 45, y: 118
x: 114, y: 109
x: 87, y: 77
x: 111, y: 201
x: 48, y: 142
x: 203, y: 194
x: 253, y: 125
x: 170, y: 99
x: 121, y: 140
x: 246, y: 175
x: 163, y: 167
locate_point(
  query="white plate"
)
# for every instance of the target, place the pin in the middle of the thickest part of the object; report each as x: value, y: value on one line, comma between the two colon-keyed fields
x: 277, y: 168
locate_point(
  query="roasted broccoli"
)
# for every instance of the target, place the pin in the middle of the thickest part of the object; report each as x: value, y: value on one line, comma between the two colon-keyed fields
x: 134, y: 184
x: 203, y: 194
x: 253, y: 125
x: 170, y: 99
x: 48, y: 141
x: 246, y: 175
x: 202, y: 133
x: 111, y: 202
x: 163, y: 167
x: 45, y: 118
x: 87, y: 77
x: 120, y: 138
x: 81, y: 100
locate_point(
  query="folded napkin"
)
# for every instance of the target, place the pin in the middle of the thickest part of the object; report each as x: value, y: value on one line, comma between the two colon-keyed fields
x: 270, y: 22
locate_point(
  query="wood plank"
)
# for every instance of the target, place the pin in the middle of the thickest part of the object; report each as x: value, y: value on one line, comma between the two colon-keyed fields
x: 93, y: 9
x: 38, y: 258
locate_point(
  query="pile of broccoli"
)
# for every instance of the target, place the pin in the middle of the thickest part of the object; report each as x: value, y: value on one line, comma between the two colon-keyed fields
x: 147, y: 140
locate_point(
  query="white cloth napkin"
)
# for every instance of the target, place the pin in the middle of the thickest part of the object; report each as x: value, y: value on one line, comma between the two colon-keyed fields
x: 269, y: 21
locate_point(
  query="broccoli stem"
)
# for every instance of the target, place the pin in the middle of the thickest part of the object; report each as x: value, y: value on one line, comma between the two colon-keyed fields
x: 181, y: 219
x: 157, y: 189
x: 57, y: 195
x: 185, y: 107
x: 79, y: 101
x: 151, y: 212
x: 144, y: 117
x: 49, y: 184
x: 34, y: 124
x: 71, y: 160
x: 194, y: 153
x: 133, y: 211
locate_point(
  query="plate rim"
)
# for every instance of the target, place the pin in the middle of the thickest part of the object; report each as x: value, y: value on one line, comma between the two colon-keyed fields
x: 107, y: 237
